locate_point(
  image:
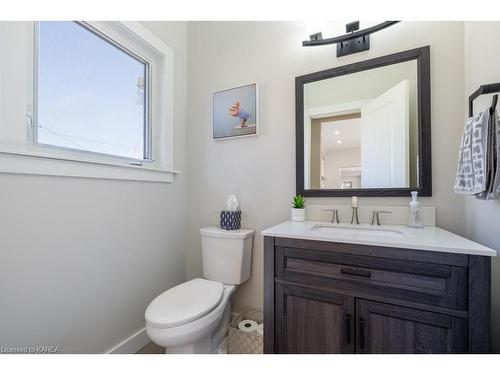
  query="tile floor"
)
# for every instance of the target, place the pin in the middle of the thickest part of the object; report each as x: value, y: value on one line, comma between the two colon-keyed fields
x: 151, y: 348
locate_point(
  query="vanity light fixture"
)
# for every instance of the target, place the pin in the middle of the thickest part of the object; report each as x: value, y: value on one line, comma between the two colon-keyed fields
x: 339, y: 141
x: 353, y: 42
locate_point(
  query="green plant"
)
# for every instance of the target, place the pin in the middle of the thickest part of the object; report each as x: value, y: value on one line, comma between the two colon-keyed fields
x: 298, y: 201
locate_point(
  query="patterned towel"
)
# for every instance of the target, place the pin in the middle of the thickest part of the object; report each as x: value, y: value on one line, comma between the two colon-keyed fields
x: 472, y: 157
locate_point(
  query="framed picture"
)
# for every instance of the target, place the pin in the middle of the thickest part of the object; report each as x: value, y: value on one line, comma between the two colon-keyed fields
x: 235, y: 112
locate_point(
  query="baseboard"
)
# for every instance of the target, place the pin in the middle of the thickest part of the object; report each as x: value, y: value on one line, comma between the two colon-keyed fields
x: 132, y: 344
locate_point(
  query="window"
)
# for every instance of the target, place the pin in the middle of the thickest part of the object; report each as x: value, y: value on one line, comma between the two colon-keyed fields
x: 88, y: 99
x: 91, y: 93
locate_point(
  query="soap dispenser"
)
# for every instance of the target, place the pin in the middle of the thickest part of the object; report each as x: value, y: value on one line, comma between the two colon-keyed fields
x: 415, y: 220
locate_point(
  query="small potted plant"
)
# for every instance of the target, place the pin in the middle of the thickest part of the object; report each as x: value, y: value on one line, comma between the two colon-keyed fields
x: 298, y: 210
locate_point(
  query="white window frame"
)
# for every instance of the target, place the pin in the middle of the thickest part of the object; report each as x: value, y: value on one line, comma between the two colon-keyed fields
x: 28, y: 157
x: 147, y: 120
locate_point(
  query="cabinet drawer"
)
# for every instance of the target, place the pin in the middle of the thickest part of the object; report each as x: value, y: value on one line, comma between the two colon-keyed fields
x: 432, y: 284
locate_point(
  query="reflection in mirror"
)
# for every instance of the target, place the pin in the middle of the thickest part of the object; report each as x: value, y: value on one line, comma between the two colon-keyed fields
x: 361, y: 129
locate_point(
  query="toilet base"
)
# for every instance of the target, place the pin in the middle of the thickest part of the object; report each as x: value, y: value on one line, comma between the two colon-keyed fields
x: 214, y: 344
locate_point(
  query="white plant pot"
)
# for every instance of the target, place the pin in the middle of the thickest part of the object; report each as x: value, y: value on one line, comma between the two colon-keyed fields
x: 298, y: 214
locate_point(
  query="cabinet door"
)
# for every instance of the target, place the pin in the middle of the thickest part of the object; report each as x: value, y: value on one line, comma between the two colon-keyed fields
x: 312, y: 321
x: 384, y: 328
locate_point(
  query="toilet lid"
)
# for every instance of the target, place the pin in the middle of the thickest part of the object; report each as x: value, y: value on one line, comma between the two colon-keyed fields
x: 184, y: 303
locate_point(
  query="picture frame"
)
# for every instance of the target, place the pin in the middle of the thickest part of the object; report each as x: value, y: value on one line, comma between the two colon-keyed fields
x: 235, y: 112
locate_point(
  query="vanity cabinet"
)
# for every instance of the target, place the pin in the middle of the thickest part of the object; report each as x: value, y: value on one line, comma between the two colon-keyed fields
x: 329, y: 297
x: 332, y: 314
x: 385, y: 328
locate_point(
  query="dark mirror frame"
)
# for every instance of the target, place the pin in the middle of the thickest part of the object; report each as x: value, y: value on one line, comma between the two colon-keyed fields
x: 424, y: 177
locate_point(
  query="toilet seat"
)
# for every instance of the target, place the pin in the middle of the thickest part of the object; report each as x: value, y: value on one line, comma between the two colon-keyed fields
x: 184, y: 303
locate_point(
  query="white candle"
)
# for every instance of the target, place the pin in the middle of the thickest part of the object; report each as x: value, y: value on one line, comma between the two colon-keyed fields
x: 354, y: 202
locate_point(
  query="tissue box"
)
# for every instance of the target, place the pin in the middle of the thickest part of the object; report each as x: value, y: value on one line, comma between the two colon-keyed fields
x: 230, y: 220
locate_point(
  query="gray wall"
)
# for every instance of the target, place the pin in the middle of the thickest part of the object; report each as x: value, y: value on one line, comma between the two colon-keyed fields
x: 80, y: 259
x: 261, y: 170
x: 482, y: 218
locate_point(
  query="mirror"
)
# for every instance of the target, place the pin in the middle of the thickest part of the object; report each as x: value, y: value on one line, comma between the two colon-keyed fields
x: 364, y: 129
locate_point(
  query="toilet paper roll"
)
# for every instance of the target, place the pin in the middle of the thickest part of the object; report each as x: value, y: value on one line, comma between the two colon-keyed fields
x: 260, y: 329
x: 247, y: 325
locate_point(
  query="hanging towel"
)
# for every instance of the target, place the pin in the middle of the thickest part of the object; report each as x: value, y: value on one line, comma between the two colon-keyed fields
x: 493, y: 176
x: 472, y: 157
x: 490, y: 159
x: 495, y: 193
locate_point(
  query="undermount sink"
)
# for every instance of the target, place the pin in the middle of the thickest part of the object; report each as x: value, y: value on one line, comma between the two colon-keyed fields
x: 358, y: 230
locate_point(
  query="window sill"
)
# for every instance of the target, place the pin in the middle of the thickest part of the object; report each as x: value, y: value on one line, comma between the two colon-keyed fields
x: 36, y: 162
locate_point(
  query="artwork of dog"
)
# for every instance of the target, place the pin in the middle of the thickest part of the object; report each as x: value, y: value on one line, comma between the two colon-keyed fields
x: 240, y: 113
x: 235, y: 112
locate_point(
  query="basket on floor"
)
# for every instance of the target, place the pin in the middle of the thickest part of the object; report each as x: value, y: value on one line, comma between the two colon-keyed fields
x: 240, y: 342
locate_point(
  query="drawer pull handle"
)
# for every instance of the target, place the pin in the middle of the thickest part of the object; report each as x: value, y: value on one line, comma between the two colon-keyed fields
x: 362, y: 333
x: 354, y: 272
x: 347, y: 321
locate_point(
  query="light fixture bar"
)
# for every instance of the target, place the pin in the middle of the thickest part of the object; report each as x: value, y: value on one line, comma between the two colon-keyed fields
x: 349, y: 36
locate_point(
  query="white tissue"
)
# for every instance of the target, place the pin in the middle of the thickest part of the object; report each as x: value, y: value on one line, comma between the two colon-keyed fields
x: 232, y: 203
x: 248, y: 325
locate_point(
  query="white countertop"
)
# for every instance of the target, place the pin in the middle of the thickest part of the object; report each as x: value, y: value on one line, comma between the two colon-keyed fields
x: 428, y: 238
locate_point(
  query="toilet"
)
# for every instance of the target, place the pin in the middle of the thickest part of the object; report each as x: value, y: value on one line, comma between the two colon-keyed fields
x: 193, y: 317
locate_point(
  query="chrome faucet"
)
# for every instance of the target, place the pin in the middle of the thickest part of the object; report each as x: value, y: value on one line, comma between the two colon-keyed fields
x: 354, y: 206
x: 376, y: 218
x: 335, y: 215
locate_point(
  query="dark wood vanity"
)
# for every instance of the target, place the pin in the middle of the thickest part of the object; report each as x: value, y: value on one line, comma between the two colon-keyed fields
x: 330, y: 297
x: 427, y: 291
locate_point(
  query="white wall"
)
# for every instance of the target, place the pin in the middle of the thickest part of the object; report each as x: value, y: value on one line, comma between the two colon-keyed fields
x: 80, y: 259
x: 339, y: 158
x: 482, y: 57
x: 261, y: 170
x: 365, y: 85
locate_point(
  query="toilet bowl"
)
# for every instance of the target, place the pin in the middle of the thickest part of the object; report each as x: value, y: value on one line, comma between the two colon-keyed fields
x: 203, y: 334
x: 193, y: 317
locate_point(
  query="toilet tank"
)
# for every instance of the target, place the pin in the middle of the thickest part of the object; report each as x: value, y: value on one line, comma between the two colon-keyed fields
x: 227, y: 254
